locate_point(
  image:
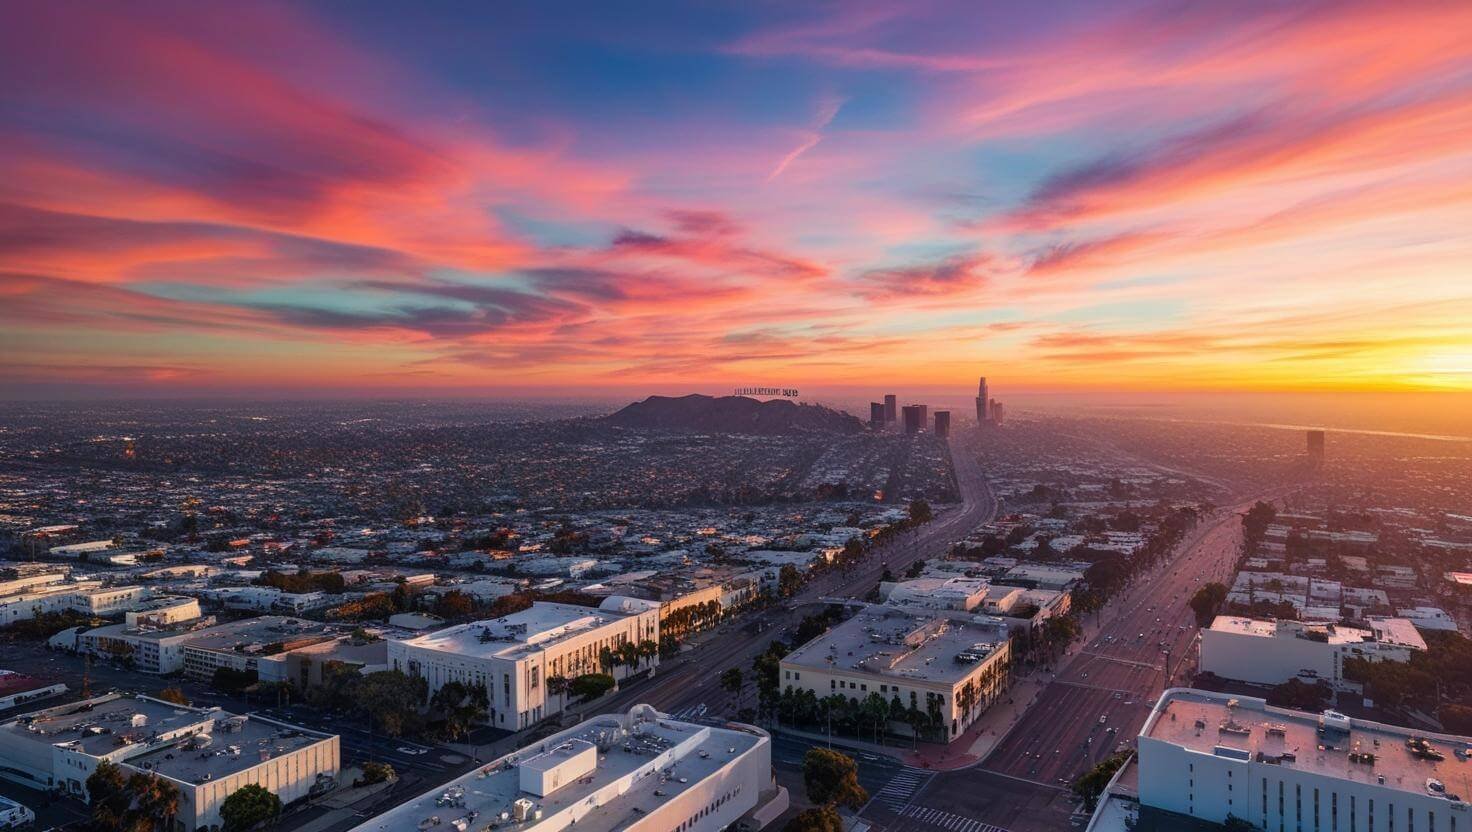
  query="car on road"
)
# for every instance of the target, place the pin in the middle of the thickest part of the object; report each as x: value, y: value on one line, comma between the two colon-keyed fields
x: 410, y: 750
x: 1103, y: 718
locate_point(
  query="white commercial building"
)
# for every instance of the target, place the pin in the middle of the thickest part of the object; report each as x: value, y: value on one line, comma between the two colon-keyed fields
x: 963, y: 594
x: 206, y: 753
x: 163, y: 611
x: 14, y: 815
x: 1211, y: 756
x: 1429, y: 618
x: 1272, y: 652
x: 951, y: 669
x: 30, y: 583
x: 638, y: 772
x: 513, y: 656
x: 201, y: 646
x: 85, y: 597
x: 270, y: 599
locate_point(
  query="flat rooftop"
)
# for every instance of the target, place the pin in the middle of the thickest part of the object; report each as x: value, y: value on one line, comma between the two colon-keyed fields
x: 1202, y: 721
x: 234, y: 744
x: 535, y: 628
x: 269, y: 629
x: 103, y: 725
x: 1397, y: 631
x: 699, y: 751
x: 902, y: 645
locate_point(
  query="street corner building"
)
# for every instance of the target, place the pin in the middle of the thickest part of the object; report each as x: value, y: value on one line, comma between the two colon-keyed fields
x: 207, y: 754
x: 512, y: 657
x: 951, y: 669
x: 634, y: 772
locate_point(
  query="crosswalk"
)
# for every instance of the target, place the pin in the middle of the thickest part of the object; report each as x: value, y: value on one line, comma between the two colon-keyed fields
x: 947, y: 820
x: 897, y: 792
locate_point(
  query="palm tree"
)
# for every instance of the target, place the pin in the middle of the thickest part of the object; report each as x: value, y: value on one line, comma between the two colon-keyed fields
x: 966, y: 699
x: 628, y: 654
x: 157, y: 799
x: 875, y: 710
x: 557, y: 686
x: 648, y: 649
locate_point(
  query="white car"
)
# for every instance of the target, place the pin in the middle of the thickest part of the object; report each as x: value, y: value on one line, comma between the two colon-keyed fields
x: 405, y: 749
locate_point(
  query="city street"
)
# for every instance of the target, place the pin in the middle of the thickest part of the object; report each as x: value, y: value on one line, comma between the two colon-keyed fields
x: 691, y: 680
x: 1093, y: 706
x: 1100, y: 697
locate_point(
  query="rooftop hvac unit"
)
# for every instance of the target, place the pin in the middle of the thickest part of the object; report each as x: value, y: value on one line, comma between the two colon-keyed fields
x: 139, y: 720
x: 521, y: 809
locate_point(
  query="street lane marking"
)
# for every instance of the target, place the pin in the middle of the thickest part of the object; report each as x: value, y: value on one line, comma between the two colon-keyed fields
x: 948, y: 820
x: 898, y: 792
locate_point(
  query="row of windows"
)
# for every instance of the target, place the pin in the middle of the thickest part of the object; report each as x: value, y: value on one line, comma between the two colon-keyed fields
x: 1317, y: 817
x: 708, y: 809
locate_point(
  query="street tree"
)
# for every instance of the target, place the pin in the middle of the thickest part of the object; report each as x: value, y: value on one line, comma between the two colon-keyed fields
x: 249, y: 807
x: 832, y: 779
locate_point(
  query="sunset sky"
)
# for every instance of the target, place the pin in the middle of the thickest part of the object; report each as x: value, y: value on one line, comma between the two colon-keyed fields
x: 396, y: 197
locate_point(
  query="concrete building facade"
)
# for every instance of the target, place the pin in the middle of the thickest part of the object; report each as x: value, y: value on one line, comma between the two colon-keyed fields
x: 513, y: 656
x: 206, y: 753
x: 1272, y: 652
x: 1211, y: 756
x: 634, y: 772
x: 952, y: 669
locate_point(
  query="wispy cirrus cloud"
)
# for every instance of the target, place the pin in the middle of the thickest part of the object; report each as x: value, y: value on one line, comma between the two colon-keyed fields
x: 185, y: 196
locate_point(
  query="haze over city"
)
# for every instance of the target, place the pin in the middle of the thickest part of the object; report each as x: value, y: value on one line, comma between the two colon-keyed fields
x: 736, y: 417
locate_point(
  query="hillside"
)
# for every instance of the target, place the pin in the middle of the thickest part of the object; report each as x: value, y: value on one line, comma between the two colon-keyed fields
x: 733, y: 414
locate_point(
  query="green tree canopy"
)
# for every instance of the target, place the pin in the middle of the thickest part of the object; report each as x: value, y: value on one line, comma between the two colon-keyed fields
x: 1092, y: 783
x: 391, y: 699
x: 1207, y: 601
x: 590, y: 686
x: 832, y: 779
x: 249, y: 806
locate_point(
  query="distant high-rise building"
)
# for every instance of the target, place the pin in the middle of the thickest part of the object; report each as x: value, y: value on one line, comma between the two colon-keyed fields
x: 942, y: 423
x: 876, y: 414
x: 997, y: 410
x: 983, y: 403
x: 891, y: 408
x: 1316, y: 447
x: 914, y: 418
x: 924, y: 416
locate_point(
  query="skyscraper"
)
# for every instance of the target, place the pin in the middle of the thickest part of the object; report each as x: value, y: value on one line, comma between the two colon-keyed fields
x: 1316, y: 447
x: 891, y: 408
x: 924, y: 415
x: 997, y: 412
x: 942, y: 423
x: 914, y: 418
x: 876, y: 414
x: 983, y: 403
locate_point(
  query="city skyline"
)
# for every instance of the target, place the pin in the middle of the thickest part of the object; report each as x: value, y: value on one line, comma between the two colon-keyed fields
x: 1144, y: 197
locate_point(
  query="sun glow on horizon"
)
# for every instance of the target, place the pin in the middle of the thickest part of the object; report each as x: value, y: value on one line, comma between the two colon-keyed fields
x: 1218, y: 198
